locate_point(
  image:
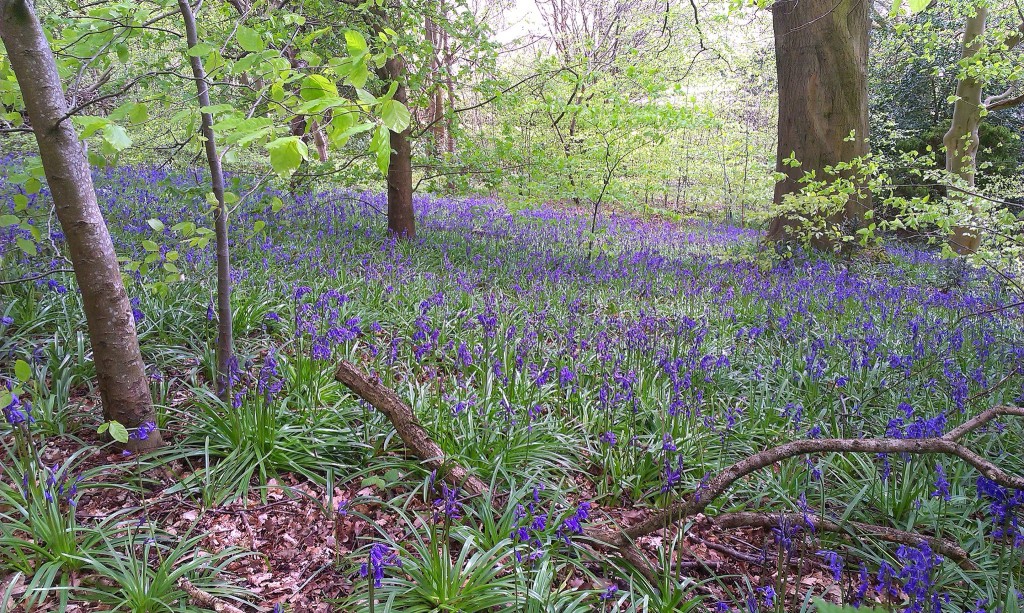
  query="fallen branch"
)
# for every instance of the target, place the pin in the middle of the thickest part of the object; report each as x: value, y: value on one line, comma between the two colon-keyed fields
x: 732, y: 552
x: 203, y: 599
x: 622, y: 539
x: 852, y: 529
x: 416, y: 439
x: 948, y: 444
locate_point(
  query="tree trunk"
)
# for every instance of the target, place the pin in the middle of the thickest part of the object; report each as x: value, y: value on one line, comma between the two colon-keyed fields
x: 961, y: 140
x: 124, y: 387
x: 224, y: 331
x: 401, y: 219
x: 821, y: 52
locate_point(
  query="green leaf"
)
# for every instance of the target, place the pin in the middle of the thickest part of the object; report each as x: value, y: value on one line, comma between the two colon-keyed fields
x: 258, y: 226
x: 395, y: 115
x: 286, y: 154
x: 359, y: 74
x: 916, y: 6
x: 277, y: 92
x: 20, y: 202
x: 27, y: 246
x: 90, y: 125
x: 117, y: 137
x: 827, y: 607
x: 355, y: 43
x: 201, y: 50
x: 9, y: 220
x: 381, y: 144
x: 118, y: 432
x: 103, y: 427
x: 315, y: 87
x: 156, y: 224
x: 186, y: 228
x: 139, y: 113
x: 214, y: 109
x: 250, y: 40
x: 22, y: 371
x: 150, y: 246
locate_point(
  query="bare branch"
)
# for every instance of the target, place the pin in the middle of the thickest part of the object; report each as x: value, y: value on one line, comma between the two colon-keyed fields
x: 948, y: 444
x: 37, y: 276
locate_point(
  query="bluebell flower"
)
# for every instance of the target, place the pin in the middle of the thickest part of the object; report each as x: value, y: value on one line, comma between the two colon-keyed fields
x: 447, y: 507
x: 941, y: 484
x: 18, y: 412
x: 381, y: 557
x: 143, y: 431
x: 574, y: 523
x: 835, y: 564
x: 918, y: 575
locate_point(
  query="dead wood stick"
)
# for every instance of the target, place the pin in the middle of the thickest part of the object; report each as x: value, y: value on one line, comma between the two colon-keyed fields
x: 415, y: 437
x: 203, y: 599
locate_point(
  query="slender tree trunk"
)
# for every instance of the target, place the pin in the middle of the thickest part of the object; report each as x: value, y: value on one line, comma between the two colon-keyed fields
x: 401, y: 218
x: 821, y: 51
x: 224, y: 331
x: 124, y: 387
x: 961, y: 140
x: 319, y: 140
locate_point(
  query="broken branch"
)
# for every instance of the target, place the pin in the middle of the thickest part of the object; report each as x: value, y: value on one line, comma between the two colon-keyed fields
x: 415, y: 437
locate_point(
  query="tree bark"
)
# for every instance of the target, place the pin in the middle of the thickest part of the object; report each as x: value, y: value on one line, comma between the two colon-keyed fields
x: 220, y: 217
x: 121, y: 374
x: 961, y: 140
x: 401, y: 219
x: 821, y: 52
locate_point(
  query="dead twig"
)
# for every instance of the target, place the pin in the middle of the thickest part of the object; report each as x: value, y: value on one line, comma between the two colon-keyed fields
x: 203, y: 599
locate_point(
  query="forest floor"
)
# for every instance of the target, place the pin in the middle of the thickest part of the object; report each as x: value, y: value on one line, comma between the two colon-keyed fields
x: 589, y: 380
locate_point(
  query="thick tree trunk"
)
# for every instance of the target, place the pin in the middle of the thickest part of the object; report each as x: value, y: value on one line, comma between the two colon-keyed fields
x: 961, y: 140
x: 821, y: 52
x: 401, y: 219
x: 124, y: 387
x: 224, y: 331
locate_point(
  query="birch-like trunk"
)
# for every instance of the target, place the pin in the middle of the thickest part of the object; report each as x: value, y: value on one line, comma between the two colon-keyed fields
x: 961, y: 140
x: 121, y: 374
x: 225, y: 342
